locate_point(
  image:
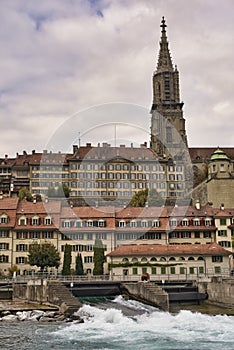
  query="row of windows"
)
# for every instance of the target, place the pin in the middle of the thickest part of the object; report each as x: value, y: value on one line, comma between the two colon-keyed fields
x: 172, y: 270
x: 156, y: 223
x: 189, y: 235
x: 125, y: 167
x: 81, y: 236
x: 34, y: 221
x: 163, y: 258
x: 131, y: 236
x: 80, y: 223
x: 34, y: 235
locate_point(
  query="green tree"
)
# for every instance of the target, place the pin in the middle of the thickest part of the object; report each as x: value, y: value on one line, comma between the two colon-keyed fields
x: 25, y: 193
x: 43, y: 255
x: 67, y: 260
x: 79, y: 265
x: 98, y: 257
x: 140, y: 198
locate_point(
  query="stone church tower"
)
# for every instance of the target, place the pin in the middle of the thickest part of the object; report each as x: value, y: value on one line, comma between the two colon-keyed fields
x: 168, y: 135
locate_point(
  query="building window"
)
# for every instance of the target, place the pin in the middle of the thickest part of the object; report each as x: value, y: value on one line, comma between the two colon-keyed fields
x: 21, y: 260
x: 134, y: 259
x: 122, y: 223
x: 196, y: 222
x: 172, y: 270
x: 134, y: 271
x: 217, y: 269
x: 22, y: 221
x: 47, y: 221
x: 3, y: 219
x: 4, y: 234
x: 222, y: 232
x: 156, y: 223
x: 201, y: 269
x: 4, y: 258
x: 4, y: 246
x: 173, y: 222
x: 217, y: 258
x: 223, y: 221
x: 101, y: 235
x: 88, y: 259
x: 153, y: 270
x: 225, y: 244
x: 47, y: 235
x: 191, y: 270
x: 163, y: 270
x: 101, y: 223
x: 185, y: 222
x: 35, y: 221
x: 182, y: 270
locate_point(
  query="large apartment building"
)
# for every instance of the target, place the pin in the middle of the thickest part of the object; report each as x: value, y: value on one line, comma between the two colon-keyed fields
x: 24, y: 223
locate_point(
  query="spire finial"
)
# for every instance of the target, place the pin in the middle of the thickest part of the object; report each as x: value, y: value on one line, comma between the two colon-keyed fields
x: 163, y: 24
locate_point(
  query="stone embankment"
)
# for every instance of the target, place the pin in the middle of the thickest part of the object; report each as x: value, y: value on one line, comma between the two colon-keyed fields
x: 220, y: 290
x: 38, y: 316
x: 148, y: 293
x: 47, y: 292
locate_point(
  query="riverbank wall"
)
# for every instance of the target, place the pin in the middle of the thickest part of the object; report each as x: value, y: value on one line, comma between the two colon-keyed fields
x: 45, y: 292
x: 148, y: 293
x: 220, y: 291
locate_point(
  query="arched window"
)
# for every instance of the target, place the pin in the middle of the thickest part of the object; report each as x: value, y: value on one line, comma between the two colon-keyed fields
x: 47, y: 220
x: 122, y: 223
x: 162, y: 258
x: 191, y: 258
x: 156, y: 223
x: 125, y: 260
x: 134, y: 259
x: 153, y: 259
x: 144, y: 259
x: 172, y: 258
x: 35, y: 220
x: 181, y: 258
x: 200, y: 258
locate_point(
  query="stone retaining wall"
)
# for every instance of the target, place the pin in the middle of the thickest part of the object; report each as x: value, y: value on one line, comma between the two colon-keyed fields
x: 220, y: 290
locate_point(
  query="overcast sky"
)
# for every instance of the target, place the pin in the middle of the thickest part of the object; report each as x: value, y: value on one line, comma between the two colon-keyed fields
x: 58, y: 58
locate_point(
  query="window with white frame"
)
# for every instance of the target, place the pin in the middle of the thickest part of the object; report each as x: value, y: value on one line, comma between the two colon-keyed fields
x: 185, y: 222
x: 47, y: 220
x: 22, y: 221
x: 196, y: 222
x: 3, y: 219
x: 173, y: 222
x: 122, y: 223
x: 156, y: 223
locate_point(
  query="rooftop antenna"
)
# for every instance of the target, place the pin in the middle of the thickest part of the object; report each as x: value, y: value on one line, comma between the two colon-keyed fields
x: 79, y: 139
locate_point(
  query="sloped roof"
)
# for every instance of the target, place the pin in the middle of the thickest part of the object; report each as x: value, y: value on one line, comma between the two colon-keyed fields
x: 167, y: 249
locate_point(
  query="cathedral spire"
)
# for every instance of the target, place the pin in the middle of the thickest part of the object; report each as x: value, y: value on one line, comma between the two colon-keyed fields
x: 164, y: 57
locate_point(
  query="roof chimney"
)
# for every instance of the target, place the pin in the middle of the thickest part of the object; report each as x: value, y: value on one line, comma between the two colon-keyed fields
x: 198, y: 205
x: 222, y: 206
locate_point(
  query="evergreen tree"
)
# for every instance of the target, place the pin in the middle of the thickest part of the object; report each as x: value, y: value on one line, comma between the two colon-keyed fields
x: 98, y: 257
x: 79, y: 265
x: 43, y: 255
x: 25, y: 193
x: 67, y: 260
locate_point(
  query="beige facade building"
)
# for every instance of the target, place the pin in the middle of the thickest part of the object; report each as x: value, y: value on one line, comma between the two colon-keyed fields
x: 24, y: 223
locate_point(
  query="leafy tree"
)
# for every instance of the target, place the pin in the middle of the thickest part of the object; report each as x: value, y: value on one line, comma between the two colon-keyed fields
x: 43, y: 255
x: 151, y: 196
x: 25, y: 193
x: 79, y: 265
x: 13, y: 269
x: 98, y: 257
x: 67, y: 260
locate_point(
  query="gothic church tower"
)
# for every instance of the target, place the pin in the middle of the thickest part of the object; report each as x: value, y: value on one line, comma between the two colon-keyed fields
x: 168, y: 135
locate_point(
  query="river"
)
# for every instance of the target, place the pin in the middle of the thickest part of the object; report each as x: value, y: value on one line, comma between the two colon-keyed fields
x: 126, y: 325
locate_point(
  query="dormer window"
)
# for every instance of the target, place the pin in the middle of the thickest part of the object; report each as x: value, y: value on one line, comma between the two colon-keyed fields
x: 207, y: 222
x: 22, y: 221
x: 144, y: 223
x: 185, y: 222
x: 122, y: 223
x: 173, y: 222
x: 196, y: 222
x: 3, y: 219
x: 133, y: 223
x: 156, y: 223
x: 89, y: 223
x: 47, y: 220
x: 35, y: 220
x: 101, y: 223
x: 79, y: 223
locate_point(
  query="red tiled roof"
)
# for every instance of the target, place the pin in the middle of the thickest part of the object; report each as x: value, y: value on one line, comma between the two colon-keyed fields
x: 201, y: 154
x: 157, y: 249
x: 8, y: 203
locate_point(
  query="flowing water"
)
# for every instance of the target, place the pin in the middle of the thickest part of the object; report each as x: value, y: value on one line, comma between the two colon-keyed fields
x: 126, y: 325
